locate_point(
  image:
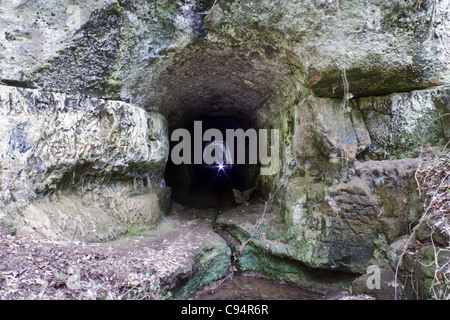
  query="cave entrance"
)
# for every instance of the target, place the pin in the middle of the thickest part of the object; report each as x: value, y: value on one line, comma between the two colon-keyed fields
x: 208, y: 185
x: 226, y: 87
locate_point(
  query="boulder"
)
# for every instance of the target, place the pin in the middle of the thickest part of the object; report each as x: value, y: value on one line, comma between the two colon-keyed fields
x: 345, y: 225
x: 79, y: 158
x: 400, y: 123
x: 379, y: 282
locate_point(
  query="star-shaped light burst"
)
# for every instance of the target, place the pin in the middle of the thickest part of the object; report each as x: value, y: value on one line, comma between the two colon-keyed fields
x: 222, y: 172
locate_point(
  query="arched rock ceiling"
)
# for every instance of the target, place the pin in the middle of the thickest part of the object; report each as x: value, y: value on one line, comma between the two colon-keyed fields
x: 224, y: 80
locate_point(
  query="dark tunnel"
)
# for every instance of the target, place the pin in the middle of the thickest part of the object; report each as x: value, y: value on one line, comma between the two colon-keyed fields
x: 224, y: 88
x: 211, y: 185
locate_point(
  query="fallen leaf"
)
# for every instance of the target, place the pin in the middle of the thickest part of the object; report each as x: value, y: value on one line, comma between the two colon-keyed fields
x: 134, y: 283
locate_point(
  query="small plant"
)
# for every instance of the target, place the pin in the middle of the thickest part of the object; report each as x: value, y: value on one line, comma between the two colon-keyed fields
x: 135, y: 231
x: 60, y: 275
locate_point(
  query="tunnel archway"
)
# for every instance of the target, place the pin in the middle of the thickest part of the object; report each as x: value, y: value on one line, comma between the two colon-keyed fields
x: 224, y: 87
x: 204, y: 185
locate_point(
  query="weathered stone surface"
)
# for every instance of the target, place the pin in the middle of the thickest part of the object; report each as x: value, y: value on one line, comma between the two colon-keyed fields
x: 340, y: 227
x: 91, y: 46
x: 222, y: 79
x: 402, y: 122
x: 391, y: 184
x: 325, y: 127
x: 379, y: 282
x: 53, y: 144
x: 382, y: 127
x: 385, y: 46
x: 115, y: 48
x: 78, y: 217
x: 34, y: 31
x: 345, y: 225
x: 321, y: 238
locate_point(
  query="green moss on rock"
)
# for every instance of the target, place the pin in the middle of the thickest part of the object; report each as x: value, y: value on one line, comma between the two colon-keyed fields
x: 209, y: 266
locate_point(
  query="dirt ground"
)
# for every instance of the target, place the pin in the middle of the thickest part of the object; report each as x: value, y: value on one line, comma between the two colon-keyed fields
x: 140, y: 267
x: 55, y: 270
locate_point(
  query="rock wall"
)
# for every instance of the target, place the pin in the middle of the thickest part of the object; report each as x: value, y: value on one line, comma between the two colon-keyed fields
x: 400, y: 47
x: 345, y: 225
x: 401, y: 122
x: 346, y: 82
x: 80, y: 161
x: 118, y: 49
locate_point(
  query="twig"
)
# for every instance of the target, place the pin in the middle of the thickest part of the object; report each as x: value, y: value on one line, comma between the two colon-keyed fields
x: 421, y: 148
x: 412, y: 236
x: 212, y: 7
x: 415, y: 6
x: 433, y: 14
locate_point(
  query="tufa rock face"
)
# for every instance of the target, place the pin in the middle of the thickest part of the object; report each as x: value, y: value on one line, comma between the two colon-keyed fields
x: 345, y: 225
x: 384, y: 46
x: 87, y: 168
x: 324, y: 128
x: 118, y: 49
x: 402, y: 122
x: 100, y: 48
x: 393, y: 126
x: 338, y: 227
x: 54, y: 144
